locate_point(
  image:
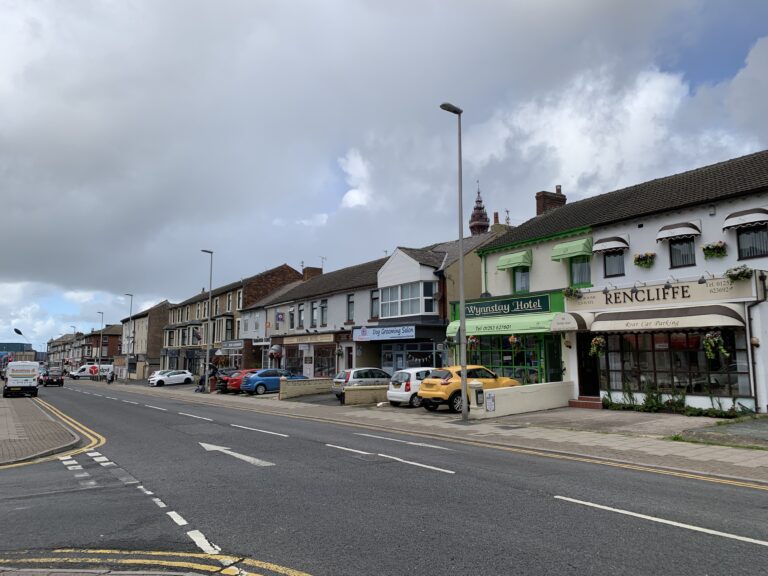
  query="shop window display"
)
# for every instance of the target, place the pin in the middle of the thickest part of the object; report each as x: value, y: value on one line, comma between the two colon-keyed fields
x: 675, y: 362
x: 518, y: 357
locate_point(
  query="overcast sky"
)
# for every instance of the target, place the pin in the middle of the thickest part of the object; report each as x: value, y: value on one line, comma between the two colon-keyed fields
x: 134, y: 133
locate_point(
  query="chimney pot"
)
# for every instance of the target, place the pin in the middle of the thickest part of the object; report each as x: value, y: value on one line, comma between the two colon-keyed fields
x: 495, y: 217
x: 546, y: 201
x: 558, y: 189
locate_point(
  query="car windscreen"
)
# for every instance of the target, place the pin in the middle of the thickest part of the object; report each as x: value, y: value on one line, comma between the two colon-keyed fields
x: 441, y: 374
x: 341, y: 375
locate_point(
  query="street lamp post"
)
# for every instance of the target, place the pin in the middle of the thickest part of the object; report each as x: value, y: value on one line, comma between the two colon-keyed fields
x: 130, y: 338
x: 209, y: 335
x: 462, y: 312
x: 101, y: 332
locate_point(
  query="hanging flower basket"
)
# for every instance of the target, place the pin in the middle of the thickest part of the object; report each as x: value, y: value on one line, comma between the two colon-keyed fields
x: 645, y: 260
x: 513, y: 340
x: 717, y: 249
x: 473, y: 341
x: 275, y: 355
x: 739, y: 273
x: 339, y: 351
x: 714, y: 345
x: 572, y: 292
x: 597, y: 346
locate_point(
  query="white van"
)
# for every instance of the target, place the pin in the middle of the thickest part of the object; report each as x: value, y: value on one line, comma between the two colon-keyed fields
x: 21, y: 378
x: 91, y: 371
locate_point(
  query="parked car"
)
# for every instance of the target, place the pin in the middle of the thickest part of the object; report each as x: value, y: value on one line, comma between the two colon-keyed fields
x: 42, y: 374
x: 172, y: 377
x: 443, y: 385
x: 233, y: 381
x: 53, y: 377
x: 357, y: 377
x: 267, y: 380
x: 159, y: 372
x: 404, y: 386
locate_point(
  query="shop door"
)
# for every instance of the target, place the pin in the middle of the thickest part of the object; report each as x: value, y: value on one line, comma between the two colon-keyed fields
x: 589, y: 370
x: 399, y: 361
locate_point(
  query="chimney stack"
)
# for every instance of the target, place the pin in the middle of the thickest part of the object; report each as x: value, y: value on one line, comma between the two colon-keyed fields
x: 311, y: 271
x: 495, y: 217
x: 546, y: 201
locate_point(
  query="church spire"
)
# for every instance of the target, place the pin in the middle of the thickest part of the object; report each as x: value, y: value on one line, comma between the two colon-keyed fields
x: 479, y: 222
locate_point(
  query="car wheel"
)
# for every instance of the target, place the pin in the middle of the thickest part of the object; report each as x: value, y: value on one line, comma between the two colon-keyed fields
x: 34, y: 394
x: 260, y: 389
x: 75, y: 377
x: 187, y: 381
x: 454, y: 402
x: 415, y: 401
x: 159, y: 383
x: 393, y: 403
x: 428, y: 405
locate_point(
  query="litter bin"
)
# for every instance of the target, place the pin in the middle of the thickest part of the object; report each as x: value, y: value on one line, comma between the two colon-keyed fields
x: 476, y: 393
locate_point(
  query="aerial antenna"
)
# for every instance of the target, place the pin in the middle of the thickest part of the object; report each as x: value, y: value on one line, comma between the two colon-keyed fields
x: 322, y: 262
x: 506, y: 220
x: 386, y: 252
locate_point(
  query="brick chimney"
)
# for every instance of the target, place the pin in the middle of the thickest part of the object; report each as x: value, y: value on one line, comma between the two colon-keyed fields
x: 546, y: 201
x: 495, y: 217
x: 310, y: 272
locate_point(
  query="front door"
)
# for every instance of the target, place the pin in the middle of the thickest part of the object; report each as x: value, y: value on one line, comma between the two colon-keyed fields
x: 589, y: 369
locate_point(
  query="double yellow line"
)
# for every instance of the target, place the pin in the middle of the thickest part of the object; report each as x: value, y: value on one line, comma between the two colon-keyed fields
x: 93, y: 439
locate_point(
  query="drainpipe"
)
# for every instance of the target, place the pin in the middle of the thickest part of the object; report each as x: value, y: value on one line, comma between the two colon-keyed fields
x: 750, y: 353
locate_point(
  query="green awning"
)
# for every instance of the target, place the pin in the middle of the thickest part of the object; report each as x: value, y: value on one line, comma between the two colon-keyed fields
x: 522, y: 258
x: 518, y: 324
x: 581, y: 247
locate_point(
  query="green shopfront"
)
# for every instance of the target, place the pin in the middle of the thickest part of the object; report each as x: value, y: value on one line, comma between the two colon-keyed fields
x: 514, y: 337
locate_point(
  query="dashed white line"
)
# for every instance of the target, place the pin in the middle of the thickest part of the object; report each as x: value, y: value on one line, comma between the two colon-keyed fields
x: 92, y: 454
x: 129, y: 402
x: 77, y: 467
x: 87, y: 483
x: 105, y: 464
x: 193, y: 416
x: 99, y: 395
x: 663, y: 521
x: 417, y: 464
x: 202, y: 542
x: 258, y: 430
x: 159, y: 502
x: 100, y: 458
x: 147, y: 492
x: 347, y: 449
x: 69, y: 462
x: 110, y: 398
x: 82, y: 475
x: 422, y: 444
x: 155, y: 408
x: 62, y: 458
x: 177, y: 518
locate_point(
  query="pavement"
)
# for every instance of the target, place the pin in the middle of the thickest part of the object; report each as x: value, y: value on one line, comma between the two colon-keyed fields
x: 727, y: 450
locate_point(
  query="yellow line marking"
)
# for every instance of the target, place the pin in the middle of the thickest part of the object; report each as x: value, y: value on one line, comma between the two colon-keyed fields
x: 126, y: 561
x: 217, y: 557
x: 273, y: 567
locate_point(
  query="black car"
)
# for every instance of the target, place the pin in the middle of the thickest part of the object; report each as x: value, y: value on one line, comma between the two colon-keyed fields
x: 53, y: 377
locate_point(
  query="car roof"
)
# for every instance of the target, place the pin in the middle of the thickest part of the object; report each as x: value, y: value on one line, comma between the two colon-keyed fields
x: 412, y: 370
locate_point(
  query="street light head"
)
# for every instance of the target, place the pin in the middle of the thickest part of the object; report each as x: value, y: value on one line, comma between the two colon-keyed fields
x: 127, y: 294
x: 18, y: 331
x: 207, y: 252
x: 448, y: 107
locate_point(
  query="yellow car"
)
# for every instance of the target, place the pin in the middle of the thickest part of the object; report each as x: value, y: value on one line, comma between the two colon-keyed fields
x: 443, y: 385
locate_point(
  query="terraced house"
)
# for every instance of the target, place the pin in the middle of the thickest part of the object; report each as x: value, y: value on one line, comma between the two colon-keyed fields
x: 191, y: 324
x: 655, y: 290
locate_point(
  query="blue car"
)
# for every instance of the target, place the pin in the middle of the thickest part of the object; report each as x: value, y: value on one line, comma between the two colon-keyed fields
x: 267, y: 380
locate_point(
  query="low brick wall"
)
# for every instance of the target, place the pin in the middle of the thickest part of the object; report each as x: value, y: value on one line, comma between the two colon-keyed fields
x: 354, y: 395
x: 294, y: 388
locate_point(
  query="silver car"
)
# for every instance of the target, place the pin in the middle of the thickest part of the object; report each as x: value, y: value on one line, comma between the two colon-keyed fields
x: 357, y: 377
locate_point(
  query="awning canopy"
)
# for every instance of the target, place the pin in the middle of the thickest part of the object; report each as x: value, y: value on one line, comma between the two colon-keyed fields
x: 571, y: 321
x: 519, y: 324
x: 581, y: 247
x: 744, y: 218
x: 611, y: 243
x: 516, y: 260
x: 679, y: 230
x: 648, y: 320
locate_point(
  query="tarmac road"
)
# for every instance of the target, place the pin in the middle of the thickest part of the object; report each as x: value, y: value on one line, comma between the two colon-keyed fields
x: 324, y: 498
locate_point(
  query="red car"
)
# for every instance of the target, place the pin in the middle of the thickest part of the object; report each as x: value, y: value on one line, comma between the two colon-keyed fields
x: 232, y: 382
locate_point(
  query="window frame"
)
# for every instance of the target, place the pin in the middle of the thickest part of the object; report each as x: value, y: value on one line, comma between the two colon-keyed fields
x: 605, y: 263
x: 375, y: 304
x: 350, y: 307
x: 678, y: 241
x: 761, y: 227
x: 581, y: 259
x: 324, y: 312
x: 513, y: 272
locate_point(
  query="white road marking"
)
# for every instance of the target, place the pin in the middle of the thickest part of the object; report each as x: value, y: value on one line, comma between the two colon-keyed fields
x: 62, y: 458
x: 243, y: 457
x: 110, y: 398
x: 155, y: 408
x: 193, y: 416
x: 82, y: 475
x: 105, y: 464
x: 147, y: 492
x: 69, y: 462
x: 422, y: 444
x: 159, y: 502
x: 87, y: 393
x: 92, y: 454
x: 129, y: 402
x: 176, y: 518
x: 347, y: 449
x: 417, y: 464
x: 100, y: 458
x: 262, y: 431
x: 667, y: 522
x: 78, y: 467
x: 87, y: 483
x: 202, y: 542
x: 99, y: 395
